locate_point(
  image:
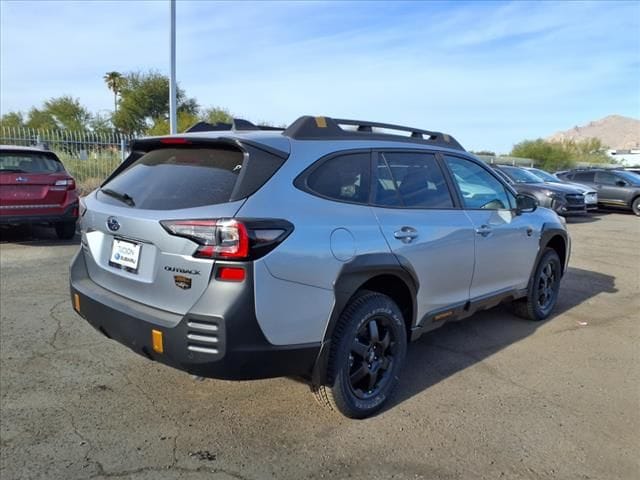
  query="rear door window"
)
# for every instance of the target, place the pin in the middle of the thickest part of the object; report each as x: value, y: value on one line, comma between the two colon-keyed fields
x: 187, y: 177
x: 607, y: 178
x: 344, y: 178
x: 29, y: 162
x: 583, y: 176
x: 411, y: 180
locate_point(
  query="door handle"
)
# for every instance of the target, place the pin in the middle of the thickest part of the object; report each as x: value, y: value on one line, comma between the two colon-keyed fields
x: 406, y: 234
x: 483, y: 230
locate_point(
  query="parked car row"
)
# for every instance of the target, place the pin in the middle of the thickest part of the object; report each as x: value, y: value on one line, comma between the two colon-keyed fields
x: 576, y: 191
x: 616, y: 188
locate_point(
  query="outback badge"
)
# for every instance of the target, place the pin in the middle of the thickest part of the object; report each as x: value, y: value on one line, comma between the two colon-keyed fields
x: 182, y: 282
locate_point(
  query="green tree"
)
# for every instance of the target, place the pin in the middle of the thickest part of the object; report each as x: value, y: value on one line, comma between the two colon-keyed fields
x: 144, y: 102
x: 12, y: 120
x: 114, y: 81
x: 215, y: 115
x: 59, y: 113
x: 554, y: 156
x: 161, y: 125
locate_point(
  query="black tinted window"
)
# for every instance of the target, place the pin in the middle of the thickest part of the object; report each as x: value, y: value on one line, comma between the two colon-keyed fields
x: 583, y: 176
x: 479, y: 189
x: 344, y: 178
x: 174, y: 178
x: 411, y: 180
x: 28, y: 162
x: 607, y: 178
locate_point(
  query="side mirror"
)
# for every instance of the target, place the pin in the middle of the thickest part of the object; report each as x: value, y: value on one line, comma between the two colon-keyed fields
x: 621, y: 183
x: 525, y: 204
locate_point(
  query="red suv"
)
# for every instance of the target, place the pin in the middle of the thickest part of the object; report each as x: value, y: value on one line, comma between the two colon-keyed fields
x: 35, y: 188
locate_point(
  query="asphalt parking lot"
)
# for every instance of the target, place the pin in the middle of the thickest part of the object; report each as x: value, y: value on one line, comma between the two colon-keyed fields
x: 490, y: 397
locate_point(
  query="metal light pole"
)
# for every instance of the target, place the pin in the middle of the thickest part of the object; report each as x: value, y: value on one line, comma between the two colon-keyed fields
x: 173, y: 121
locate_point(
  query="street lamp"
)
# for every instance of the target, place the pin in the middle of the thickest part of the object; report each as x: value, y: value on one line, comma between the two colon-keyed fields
x: 173, y: 122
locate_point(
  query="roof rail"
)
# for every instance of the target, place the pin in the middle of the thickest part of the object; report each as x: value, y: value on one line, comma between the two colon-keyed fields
x: 325, y: 128
x: 237, y: 125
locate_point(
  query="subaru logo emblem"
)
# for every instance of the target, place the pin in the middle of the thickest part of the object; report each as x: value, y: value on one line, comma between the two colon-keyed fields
x: 22, y: 179
x: 113, y: 224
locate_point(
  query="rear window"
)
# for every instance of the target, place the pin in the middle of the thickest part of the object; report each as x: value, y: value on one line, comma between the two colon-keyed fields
x: 29, y: 162
x: 187, y: 177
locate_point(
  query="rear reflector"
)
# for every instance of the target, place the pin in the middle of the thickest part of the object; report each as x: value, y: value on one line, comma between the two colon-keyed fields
x: 156, y: 341
x: 231, y: 274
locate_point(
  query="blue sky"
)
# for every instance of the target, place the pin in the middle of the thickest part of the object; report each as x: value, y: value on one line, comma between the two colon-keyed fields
x: 489, y: 73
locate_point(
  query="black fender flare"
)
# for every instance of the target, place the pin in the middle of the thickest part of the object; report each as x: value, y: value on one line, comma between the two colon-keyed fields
x: 353, y: 275
x: 549, y: 231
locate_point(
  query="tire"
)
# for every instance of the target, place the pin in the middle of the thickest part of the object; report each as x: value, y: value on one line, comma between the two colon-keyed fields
x: 368, y: 348
x: 65, y: 230
x: 635, y: 206
x: 542, y: 293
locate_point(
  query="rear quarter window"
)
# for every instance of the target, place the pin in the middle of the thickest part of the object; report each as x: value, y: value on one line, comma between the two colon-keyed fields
x: 343, y: 178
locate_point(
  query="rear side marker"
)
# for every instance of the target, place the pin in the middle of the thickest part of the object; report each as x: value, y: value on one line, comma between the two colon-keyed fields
x: 76, y: 302
x: 156, y: 341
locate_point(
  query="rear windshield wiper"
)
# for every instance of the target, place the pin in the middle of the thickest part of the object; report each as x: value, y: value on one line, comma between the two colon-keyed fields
x: 123, y: 197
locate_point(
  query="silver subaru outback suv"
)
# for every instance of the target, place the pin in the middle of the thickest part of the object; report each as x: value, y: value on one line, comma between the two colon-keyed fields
x: 316, y: 251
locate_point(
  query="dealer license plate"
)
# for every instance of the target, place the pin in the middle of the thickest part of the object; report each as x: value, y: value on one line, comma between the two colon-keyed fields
x: 125, y: 255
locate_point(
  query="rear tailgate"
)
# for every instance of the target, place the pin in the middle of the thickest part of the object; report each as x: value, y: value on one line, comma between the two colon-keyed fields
x: 32, y: 189
x: 167, y: 275
x: 127, y: 249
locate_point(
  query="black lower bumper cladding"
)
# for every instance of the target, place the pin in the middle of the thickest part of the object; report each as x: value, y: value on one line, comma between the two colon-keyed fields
x: 241, y: 351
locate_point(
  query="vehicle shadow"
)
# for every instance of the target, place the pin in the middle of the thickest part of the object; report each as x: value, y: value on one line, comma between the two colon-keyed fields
x: 586, y: 218
x: 452, y: 348
x: 34, y: 235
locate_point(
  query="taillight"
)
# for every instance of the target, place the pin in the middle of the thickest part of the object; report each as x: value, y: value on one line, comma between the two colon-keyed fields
x: 230, y: 239
x: 68, y: 183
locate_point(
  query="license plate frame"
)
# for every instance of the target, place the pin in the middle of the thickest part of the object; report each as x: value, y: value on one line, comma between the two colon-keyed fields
x: 125, y: 255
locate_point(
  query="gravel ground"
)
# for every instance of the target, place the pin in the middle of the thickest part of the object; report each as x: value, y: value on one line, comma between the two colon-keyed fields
x: 492, y: 396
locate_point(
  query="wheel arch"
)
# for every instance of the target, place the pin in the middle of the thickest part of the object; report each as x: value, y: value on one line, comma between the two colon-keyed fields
x: 555, y: 236
x: 383, y: 273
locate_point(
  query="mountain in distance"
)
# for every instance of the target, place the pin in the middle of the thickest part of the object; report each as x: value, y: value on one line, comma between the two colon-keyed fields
x: 614, y: 131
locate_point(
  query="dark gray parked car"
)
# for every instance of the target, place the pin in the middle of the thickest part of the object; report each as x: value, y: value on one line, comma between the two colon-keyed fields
x: 315, y: 251
x: 563, y: 199
x: 590, y: 193
x: 616, y: 188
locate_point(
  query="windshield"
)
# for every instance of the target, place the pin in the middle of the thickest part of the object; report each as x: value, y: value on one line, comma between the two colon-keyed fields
x: 546, y: 176
x: 519, y: 175
x: 29, y: 162
x: 632, y: 178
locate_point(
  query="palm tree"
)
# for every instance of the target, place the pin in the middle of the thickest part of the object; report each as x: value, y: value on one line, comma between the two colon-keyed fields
x: 114, y: 81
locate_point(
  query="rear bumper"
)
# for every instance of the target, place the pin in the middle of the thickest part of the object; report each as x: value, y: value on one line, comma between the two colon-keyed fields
x: 228, y: 346
x: 24, y: 216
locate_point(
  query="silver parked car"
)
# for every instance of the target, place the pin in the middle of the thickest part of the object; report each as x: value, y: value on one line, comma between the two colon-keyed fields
x: 316, y: 251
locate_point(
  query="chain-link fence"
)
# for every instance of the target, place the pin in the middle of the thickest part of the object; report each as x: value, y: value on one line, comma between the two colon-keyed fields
x: 88, y: 156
